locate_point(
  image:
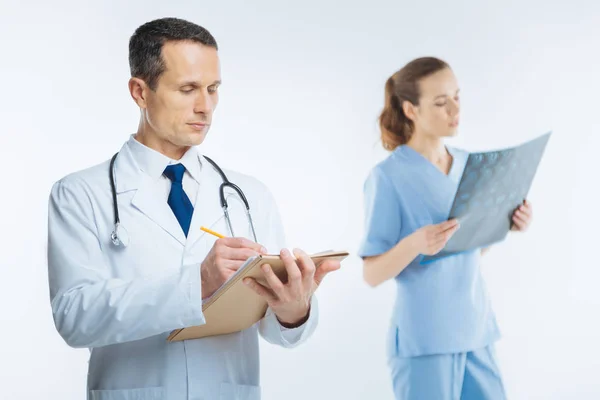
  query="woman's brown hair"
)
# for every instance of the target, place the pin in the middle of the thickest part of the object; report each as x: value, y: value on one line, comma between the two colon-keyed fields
x: 396, y: 128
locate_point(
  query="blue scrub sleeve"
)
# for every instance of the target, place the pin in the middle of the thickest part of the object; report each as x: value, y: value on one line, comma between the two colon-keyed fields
x: 89, y: 306
x: 382, y: 215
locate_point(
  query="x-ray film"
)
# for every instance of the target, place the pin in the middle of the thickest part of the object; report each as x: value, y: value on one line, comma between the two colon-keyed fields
x: 492, y: 186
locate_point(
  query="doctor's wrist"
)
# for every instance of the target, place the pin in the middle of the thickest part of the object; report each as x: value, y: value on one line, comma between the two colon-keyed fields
x: 291, y: 323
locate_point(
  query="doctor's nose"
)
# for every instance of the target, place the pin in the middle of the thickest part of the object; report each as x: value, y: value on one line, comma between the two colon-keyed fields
x: 203, y: 104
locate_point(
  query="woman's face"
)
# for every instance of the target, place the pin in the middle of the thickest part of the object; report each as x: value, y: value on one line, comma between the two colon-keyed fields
x: 437, y: 114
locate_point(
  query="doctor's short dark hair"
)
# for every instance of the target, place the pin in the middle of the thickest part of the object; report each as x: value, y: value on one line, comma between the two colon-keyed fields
x: 145, y: 45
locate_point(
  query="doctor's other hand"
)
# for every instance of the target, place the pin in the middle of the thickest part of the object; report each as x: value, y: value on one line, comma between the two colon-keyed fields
x: 522, y: 217
x: 224, y: 258
x: 431, y: 239
x: 290, y: 301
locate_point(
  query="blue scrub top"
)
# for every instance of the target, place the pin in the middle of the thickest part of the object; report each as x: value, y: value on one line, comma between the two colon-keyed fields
x: 441, y: 306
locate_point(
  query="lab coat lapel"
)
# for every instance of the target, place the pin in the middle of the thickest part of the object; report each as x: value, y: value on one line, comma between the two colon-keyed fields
x: 207, y: 205
x: 148, y: 200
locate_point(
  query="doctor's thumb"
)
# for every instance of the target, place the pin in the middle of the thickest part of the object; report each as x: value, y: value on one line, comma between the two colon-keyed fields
x: 325, y: 268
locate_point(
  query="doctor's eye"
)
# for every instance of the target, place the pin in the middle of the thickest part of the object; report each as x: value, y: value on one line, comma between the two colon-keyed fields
x: 187, y: 90
x: 212, y: 89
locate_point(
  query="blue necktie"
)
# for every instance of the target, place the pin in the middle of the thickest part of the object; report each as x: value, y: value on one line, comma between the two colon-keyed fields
x: 178, y: 200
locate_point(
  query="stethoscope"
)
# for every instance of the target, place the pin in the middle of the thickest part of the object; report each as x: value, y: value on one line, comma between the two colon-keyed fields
x: 120, y: 236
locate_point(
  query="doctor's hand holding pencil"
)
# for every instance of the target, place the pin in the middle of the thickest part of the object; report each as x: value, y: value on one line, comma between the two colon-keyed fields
x: 225, y: 257
x: 289, y: 301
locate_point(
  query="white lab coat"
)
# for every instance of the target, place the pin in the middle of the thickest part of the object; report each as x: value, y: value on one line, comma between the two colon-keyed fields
x: 122, y: 303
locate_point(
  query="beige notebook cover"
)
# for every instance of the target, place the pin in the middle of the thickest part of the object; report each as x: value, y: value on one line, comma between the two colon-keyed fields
x: 234, y: 306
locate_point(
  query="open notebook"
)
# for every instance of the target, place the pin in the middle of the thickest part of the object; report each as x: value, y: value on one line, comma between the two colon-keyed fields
x: 234, y: 306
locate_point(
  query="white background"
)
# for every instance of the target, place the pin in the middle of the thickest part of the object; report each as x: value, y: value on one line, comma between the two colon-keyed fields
x: 306, y: 79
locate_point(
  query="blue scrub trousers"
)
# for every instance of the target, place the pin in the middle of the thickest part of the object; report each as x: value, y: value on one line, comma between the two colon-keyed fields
x: 459, y: 376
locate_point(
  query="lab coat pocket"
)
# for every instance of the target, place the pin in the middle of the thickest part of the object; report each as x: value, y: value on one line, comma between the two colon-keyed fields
x: 231, y: 391
x: 149, y: 393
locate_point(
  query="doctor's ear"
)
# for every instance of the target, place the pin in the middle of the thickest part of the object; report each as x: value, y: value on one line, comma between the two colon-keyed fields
x: 139, y: 91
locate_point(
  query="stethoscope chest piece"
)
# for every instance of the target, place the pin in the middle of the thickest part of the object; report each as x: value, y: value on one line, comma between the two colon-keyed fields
x: 120, y: 236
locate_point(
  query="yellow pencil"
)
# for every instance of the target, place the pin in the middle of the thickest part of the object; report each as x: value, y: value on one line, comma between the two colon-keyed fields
x: 212, y: 232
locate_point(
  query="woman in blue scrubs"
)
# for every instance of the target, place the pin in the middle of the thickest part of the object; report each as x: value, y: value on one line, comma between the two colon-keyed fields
x: 443, y: 328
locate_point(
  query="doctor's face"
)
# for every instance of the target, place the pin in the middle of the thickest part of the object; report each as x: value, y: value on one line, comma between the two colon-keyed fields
x: 178, y: 113
x: 439, y: 105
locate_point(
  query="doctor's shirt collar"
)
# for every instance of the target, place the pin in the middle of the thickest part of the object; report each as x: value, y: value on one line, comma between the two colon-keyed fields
x: 153, y: 163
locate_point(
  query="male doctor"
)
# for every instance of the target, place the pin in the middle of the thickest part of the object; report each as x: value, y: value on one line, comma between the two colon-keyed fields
x: 122, y: 301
